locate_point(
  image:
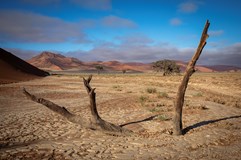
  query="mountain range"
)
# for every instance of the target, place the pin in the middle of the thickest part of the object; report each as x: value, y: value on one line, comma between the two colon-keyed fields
x: 14, y: 69
x: 57, y: 62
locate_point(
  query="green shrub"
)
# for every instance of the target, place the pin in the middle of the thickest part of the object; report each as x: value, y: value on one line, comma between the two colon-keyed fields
x: 151, y: 90
x: 163, y: 117
x: 143, y: 98
x: 162, y: 95
x: 154, y: 110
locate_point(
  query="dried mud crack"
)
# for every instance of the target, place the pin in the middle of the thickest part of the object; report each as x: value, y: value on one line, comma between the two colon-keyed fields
x: 30, y: 131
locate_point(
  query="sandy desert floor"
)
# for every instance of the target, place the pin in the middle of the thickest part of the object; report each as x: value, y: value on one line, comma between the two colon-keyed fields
x: 142, y: 103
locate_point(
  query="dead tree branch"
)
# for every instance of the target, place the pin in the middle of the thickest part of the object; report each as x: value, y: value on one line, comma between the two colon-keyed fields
x: 96, y: 122
x: 57, y: 109
x: 96, y: 119
x: 178, y: 104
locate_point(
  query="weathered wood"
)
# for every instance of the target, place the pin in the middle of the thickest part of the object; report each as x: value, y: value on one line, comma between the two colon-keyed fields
x: 178, y: 104
x: 96, y: 122
x: 58, y: 109
x: 54, y: 107
x: 96, y: 119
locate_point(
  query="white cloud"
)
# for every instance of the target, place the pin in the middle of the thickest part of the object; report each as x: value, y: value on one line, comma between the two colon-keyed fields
x: 30, y: 27
x: 23, y: 54
x: 117, y: 22
x: 144, y: 52
x: 216, y: 33
x: 88, y: 4
x: 41, y: 2
x: 141, y: 51
x: 94, y: 4
x: 134, y: 39
x: 229, y: 55
x: 188, y: 7
x: 175, y: 22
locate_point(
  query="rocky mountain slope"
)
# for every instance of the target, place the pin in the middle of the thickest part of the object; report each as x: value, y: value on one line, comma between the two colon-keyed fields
x: 52, y: 61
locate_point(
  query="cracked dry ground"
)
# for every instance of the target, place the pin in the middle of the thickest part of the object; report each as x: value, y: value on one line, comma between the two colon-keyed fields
x: 211, y: 117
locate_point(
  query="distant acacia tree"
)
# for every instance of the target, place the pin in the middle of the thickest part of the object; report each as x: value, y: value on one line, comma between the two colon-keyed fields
x: 123, y: 71
x: 166, y: 66
x: 99, y: 68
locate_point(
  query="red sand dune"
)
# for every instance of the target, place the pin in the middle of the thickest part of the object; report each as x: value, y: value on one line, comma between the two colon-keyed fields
x: 223, y: 68
x: 14, y: 69
x: 118, y: 66
x: 183, y: 66
x: 52, y: 61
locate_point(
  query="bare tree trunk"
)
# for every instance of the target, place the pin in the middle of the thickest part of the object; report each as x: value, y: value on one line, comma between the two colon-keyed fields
x: 96, y: 122
x: 178, y: 104
x: 96, y: 119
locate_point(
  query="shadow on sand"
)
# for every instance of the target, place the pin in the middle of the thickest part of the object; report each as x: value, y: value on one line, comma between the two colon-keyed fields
x: 146, y: 119
x: 203, y: 123
x: 187, y: 129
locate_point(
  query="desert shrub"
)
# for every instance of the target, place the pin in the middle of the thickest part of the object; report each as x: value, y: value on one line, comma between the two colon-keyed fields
x: 143, y: 99
x: 223, y: 99
x: 157, y: 107
x: 154, y: 110
x: 199, y: 94
x: 219, y: 100
x: 151, y: 90
x: 160, y: 105
x: 162, y: 95
x: 117, y: 87
x: 163, y: 117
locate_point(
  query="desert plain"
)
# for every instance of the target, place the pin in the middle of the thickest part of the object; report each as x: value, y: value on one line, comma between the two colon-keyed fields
x: 142, y: 103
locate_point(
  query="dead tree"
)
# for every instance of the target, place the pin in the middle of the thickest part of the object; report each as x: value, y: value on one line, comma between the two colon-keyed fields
x: 95, y: 123
x: 178, y: 104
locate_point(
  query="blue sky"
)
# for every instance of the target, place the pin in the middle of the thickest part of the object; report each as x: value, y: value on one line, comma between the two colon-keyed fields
x: 124, y: 30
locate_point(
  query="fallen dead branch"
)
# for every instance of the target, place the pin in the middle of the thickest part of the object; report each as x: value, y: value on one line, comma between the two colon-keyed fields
x: 95, y: 123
